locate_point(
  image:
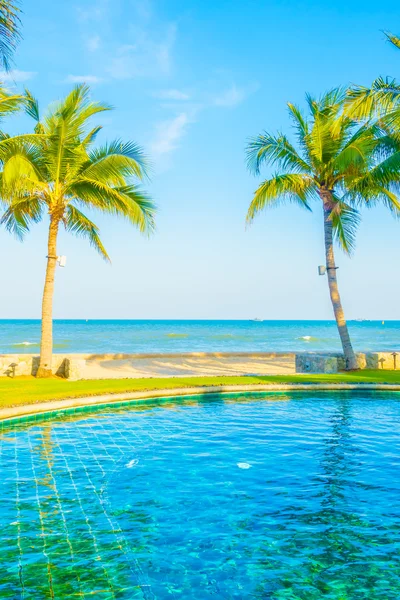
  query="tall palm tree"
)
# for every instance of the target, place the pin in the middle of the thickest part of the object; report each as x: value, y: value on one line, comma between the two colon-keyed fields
x: 335, y: 163
x: 58, y: 171
x: 9, y: 31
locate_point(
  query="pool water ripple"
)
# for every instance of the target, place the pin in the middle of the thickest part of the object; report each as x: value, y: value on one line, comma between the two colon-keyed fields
x: 280, y: 496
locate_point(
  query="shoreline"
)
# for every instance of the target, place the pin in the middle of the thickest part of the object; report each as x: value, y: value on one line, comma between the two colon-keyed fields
x: 77, y: 366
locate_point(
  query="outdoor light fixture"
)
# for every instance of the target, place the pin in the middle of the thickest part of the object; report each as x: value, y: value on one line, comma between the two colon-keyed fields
x: 62, y: 260
x: 321, y: 270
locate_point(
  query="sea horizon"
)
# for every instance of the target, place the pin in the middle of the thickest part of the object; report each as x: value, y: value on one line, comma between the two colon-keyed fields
x: 149, y: 336
x: 38, y: 319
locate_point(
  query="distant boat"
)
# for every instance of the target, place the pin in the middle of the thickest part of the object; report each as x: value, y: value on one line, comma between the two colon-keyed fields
x: 257, y: 320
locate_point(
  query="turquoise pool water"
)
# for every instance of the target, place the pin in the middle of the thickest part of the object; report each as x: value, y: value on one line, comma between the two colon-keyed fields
x: 261, y: 497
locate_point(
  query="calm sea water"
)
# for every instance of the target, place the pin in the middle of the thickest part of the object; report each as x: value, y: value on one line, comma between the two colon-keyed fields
x: 196, y: 336
x: 279, y: 497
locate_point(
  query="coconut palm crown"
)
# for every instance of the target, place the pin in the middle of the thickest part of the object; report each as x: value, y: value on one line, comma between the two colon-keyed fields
x: 59, y: 172
x: 334, y: 162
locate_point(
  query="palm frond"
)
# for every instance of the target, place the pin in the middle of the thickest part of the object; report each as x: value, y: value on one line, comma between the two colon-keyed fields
x: 312, y: 104
x: 23, y: 169
x: 141, y: 208
x: 76, y: 222
x: 73, y: 113
x: 10, y: 35
x: 10, y: 144
x: 357, y: 152
x: 21, y: 214
x: 32, y: 106
x: 66, y: 125
x: 330, y: 129
x: 381, y: 98
x: 386, y: 145
x: 9, y: 103
x: 302, y: 130
x: 91, y: 136
x: 331, y: 102
x: 345, y: 222
x: 115, y: 160
x: 300, y: 122
x: 274, y: 150
x: 289, y: 187
x: 391, y: 200
x: 127, y: 201
x: 393, y: 39
x: 382, y: 174
x: 32, y: 110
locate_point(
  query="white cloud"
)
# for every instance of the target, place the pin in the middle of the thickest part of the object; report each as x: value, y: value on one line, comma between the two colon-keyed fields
x: 83, y: 79
x: 168, y: 134
x: 17, y: 76
x: 234, y: 95
x: 93, y: 43
x: 172, y: 95
x: 148, y: 56
x: 230, y: 97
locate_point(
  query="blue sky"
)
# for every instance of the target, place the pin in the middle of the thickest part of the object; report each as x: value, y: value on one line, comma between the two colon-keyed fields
x: 190, y: 81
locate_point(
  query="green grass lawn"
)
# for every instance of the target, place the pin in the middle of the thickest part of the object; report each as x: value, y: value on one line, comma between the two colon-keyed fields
x: 28, y: 390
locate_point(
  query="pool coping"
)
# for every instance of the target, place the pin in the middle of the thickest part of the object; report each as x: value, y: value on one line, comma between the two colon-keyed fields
x: 32, y: 411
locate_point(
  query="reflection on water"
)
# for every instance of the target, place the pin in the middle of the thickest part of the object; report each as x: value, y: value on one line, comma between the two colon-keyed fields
x: 155, y: 502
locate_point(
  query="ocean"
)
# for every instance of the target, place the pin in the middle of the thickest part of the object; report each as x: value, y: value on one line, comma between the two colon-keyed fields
x: 100, y: 336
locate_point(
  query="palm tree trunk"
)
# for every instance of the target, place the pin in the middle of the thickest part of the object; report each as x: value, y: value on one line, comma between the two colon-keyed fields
x: 46, y: 343
x: 349, y: 356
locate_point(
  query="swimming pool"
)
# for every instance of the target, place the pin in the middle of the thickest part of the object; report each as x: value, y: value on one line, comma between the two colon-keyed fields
x: 274, y: 496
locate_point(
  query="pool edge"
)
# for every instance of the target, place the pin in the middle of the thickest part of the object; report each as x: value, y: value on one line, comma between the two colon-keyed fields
x: 32, y: 411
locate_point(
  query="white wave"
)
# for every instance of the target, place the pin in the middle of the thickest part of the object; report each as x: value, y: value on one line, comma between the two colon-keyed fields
x: 244, y: 465
x: 26, y: 344
x: 307, y: 338
x: 132, y: 463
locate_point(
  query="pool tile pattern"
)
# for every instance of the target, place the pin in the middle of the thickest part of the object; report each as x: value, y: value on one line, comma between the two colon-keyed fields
x: 280, y: 496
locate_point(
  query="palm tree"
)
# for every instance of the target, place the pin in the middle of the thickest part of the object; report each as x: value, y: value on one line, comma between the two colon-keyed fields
x: 335, y: 164
x: 9, y: 31
x: 58, y: 171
